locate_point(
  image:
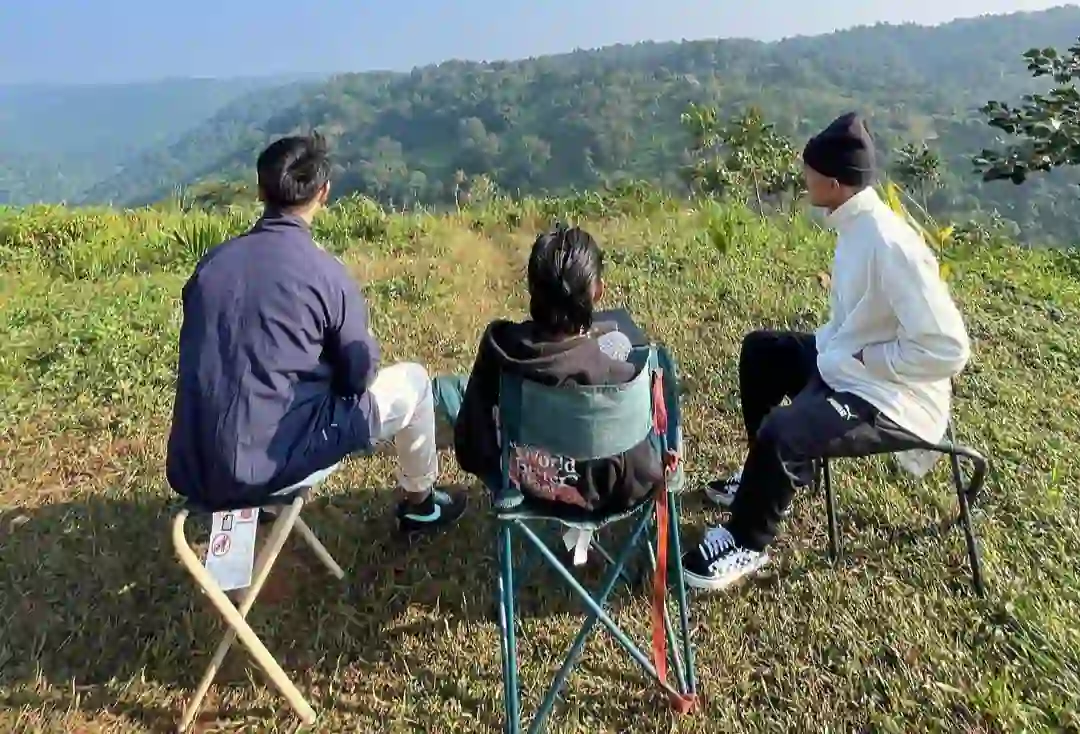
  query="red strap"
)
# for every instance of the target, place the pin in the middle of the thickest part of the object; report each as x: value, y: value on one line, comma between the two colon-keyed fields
x: 680, y: 703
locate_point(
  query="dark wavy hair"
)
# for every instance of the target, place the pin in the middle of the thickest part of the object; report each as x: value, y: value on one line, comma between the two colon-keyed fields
x: 293, y: 170
x: 565, y: 266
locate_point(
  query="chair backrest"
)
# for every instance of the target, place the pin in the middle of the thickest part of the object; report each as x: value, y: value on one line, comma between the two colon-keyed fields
x: 582, y: 423
x: 579, y: 422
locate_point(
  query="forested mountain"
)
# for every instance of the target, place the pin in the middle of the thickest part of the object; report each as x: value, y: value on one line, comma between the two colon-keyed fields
x: 58, y: 140
x: 591, y: 118
x: 208, y: 151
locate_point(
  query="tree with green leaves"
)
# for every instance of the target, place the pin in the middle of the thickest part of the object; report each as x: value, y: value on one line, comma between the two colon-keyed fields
x: 1047, y: 125
x: 741, y: 157
x: 583, y: 120
x: 918, y: 170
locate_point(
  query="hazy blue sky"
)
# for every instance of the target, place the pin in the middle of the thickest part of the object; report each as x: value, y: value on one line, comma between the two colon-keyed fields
x: 120, y: 40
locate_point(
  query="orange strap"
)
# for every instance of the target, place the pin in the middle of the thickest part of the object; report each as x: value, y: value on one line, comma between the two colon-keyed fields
x: 679, y: 702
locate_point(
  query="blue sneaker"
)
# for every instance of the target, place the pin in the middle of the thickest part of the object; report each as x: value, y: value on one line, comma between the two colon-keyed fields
x: 439, y: 509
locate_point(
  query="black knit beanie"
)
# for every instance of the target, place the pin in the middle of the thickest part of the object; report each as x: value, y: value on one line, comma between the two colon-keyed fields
x: 843, y: 151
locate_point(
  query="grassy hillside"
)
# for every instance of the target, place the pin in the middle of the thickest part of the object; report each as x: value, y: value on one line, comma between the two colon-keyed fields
x: 589, y: 118
x: 100, y: 624
x: 58, y: 140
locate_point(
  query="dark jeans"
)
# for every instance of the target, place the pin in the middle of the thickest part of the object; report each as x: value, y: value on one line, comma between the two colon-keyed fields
x: 785, y: 440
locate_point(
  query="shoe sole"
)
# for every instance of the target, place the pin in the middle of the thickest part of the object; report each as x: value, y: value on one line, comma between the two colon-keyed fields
x: 705, y: 583
x: 434, y: 527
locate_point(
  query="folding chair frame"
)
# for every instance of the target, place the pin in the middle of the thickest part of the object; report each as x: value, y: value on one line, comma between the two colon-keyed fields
x: 511, y: 522
x: 967, y: 495
x: 287, y: 519
x: 663, y: 505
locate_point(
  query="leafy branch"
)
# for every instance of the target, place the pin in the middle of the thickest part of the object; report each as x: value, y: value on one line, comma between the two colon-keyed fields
x: 918, y: 169
x: 1048, y: 125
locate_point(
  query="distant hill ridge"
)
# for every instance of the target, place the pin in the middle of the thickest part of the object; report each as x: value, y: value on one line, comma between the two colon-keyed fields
x: 589, y: 118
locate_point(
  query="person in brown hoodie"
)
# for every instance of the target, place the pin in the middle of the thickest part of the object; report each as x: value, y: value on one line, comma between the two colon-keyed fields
x: 560, y: 346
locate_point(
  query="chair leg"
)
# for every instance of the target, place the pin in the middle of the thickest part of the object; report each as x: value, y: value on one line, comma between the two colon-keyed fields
x: 969, y: 531
x: 319, y: 549
x: 235, y: 617
x: 830, y: 505
x: 596, y: 614
x: 610, y: 560
x: 680, y: 592
x: 507, y: 621
x: 675, y: 657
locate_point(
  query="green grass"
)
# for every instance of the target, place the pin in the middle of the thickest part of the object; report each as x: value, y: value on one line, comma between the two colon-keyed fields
x: 101, y: 631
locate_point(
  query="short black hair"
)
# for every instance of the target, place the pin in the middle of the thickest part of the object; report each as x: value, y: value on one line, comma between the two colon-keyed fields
x: 292, y: 170
x: 565, y: 266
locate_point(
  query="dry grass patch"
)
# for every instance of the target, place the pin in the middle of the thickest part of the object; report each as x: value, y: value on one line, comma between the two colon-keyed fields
x: 100, y: 630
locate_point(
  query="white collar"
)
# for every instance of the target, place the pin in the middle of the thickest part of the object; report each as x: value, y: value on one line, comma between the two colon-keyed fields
x: 860, y: 203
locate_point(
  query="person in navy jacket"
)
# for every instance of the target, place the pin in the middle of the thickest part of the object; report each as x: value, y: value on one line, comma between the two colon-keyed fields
x: 279, y: 377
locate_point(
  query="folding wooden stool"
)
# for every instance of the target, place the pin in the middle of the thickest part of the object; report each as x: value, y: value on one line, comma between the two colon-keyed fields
x: 285, y: 506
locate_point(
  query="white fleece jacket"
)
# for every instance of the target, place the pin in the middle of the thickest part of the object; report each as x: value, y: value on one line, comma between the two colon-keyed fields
x: 889, y: 302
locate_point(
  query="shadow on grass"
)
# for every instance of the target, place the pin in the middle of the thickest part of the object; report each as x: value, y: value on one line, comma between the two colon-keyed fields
x: 92, y: 597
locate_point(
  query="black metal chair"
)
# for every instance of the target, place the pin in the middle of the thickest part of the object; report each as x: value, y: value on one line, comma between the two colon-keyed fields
x: 967, y: 493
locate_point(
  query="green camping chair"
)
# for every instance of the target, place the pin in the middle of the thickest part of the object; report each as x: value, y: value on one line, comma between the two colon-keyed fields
x: 583, y: 423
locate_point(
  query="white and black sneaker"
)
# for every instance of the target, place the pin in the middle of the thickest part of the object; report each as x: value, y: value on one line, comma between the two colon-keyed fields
x: 439, y: 509
x: 722, y: 491
x: 720, y: 562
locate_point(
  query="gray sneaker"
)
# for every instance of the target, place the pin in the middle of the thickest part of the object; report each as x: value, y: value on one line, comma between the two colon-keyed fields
x: 721, y: 492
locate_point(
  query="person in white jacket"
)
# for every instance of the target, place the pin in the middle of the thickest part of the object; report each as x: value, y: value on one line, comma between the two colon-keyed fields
x: 875, y: 379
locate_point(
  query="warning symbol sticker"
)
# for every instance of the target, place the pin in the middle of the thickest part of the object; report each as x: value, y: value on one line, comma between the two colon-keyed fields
x: 230, y: 555
x: 221, y: 544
